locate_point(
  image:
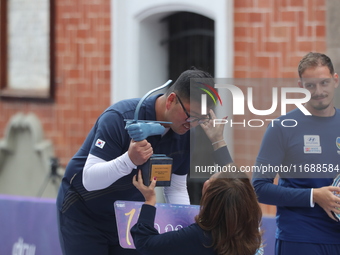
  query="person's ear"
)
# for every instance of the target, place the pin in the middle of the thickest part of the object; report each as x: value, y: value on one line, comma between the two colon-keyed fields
x: 300, y: 84
x: 336, y: 79
x: 170, y: 100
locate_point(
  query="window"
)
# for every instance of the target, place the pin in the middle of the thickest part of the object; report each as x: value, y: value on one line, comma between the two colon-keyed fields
x: 27, y: 49
x: 190, y: 43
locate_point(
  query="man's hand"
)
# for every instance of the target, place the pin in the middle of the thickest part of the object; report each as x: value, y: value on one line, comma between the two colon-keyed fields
x: 325, y: 198
x: 215, y: 134
x: 140, y: 152
x: 148, y: 192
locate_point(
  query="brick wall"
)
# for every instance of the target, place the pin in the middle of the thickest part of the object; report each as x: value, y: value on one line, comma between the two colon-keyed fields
x: 270, y: 39
x: 82, y: 76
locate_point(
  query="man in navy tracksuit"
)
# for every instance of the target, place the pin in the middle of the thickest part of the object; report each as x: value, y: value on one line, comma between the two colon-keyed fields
x: 304, y: 197
x: 101, y: 171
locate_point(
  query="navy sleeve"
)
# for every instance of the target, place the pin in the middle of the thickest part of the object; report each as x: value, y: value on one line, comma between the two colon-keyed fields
x: 110, y: 131
x: 222, y: 156
x: 147, y: 240
x: 272, y: 152
x: 147, y: 215
x: 272, y: 194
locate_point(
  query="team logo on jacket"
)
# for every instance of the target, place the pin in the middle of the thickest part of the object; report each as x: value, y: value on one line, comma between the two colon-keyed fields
x: 100, y: 143
x: 338, y: 142
x: 312, y: 144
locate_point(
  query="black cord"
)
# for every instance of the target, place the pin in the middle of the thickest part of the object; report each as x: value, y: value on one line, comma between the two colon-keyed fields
x: 53, y: 176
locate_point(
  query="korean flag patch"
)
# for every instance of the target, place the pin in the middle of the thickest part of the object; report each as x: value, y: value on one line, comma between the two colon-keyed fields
x: 100, y: 143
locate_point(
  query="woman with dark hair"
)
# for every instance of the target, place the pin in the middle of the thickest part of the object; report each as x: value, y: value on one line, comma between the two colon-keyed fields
x: 227, y: 223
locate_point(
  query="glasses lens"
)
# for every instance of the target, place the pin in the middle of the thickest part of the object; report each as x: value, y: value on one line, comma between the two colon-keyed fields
x: 202, y: 121
x: 194, y: 119
x: 191, y: 119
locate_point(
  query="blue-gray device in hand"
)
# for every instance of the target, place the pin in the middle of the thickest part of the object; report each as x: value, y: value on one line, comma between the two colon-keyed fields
x: 158, y: 165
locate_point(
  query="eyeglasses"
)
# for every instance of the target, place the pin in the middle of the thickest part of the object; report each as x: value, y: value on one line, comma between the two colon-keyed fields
x: 192, y: 119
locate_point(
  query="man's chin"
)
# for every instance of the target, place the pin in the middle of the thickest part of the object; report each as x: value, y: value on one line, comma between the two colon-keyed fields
x: 321, y: 107
x: 182, y: 132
